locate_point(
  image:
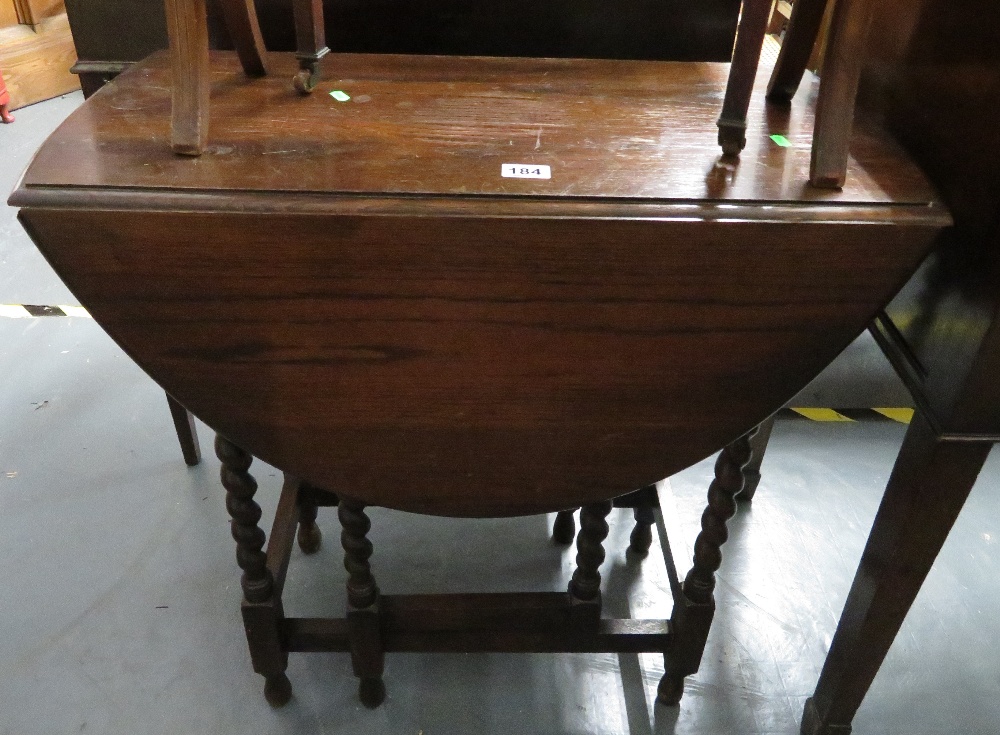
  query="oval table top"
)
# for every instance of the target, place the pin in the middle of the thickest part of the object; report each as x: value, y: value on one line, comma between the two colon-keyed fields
x: 353, y: 291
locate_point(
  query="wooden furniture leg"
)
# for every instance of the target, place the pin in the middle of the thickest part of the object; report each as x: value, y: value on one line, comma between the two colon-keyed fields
x: 262, y: 612
x: 309, y: 536
x: 928, y: 487
x: 244, y: 30
x: 692, y: 616
x: 585, y: 586
x: 644, y: 513
x: 564, y: 528
x: 800, y: 38
x: 758, y: 446
x: 363, y: 625
x: 643, y: 502
x: 746, y: 55
x: 310, y: 37
x: 838, y: 90
x: 187, y: 434
x: 187, y: 30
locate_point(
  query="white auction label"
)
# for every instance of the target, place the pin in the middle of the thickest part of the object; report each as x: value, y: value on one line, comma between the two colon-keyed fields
x: 525, y: 171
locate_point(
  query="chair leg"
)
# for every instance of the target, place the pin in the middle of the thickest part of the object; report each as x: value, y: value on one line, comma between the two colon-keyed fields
x: 262, y: 612
x: 244, y: 29
x: 746, y: 55
x: 926, y: 491
x: 364, y: 629
x: 187, y: 434
x: 310, y: 37
x: 187, y: 29
x: 800, y: 38
x: 692, y: 616
x: 838, y: 91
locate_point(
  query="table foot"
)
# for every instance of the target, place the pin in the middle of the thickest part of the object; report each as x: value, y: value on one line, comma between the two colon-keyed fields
x: 309, y: 536
x: 813, y: 725
x: 371, y: 692
x: 277, y: 690
x: 670, y: 690
x: 564, y: 528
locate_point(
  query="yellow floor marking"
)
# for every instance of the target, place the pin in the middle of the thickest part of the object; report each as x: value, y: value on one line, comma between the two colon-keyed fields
x: 902, y: 415
x: 75, y: 311
x: 821, y: 414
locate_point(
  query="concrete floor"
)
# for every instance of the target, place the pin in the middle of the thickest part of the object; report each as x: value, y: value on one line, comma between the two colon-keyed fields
x: 119, y: 593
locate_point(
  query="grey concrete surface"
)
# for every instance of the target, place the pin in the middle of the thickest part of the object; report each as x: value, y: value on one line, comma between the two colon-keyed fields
x: 25, y: 277
x: 119, y: 591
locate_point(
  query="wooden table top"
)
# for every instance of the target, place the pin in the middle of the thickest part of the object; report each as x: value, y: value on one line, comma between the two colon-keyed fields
x: 443, y: 126
x: 352, y: 291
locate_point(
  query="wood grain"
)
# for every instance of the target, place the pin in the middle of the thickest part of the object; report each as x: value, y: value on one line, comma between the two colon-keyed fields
x: 449, y: 348
x: 244, y: 30
x: 187, y: 28
x: 33, y: 12
x: 36, y: 63
x: 444, y: 125
x: 8, y: 14
x: 842, y: 64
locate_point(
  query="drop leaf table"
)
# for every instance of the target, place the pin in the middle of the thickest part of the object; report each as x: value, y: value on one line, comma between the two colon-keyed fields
x: 471, y: 287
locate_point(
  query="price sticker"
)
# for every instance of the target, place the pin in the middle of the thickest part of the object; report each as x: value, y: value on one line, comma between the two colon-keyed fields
x: 525, y: 171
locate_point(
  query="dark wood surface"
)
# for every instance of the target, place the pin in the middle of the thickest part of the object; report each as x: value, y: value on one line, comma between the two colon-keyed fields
x: 933, y: 74
x: 936, y: 79
x: 363, y: 301
x: 443, y: 125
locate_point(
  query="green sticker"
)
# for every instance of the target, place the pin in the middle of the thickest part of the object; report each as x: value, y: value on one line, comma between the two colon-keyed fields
x: 782, y: 141
x: 340, y: 96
